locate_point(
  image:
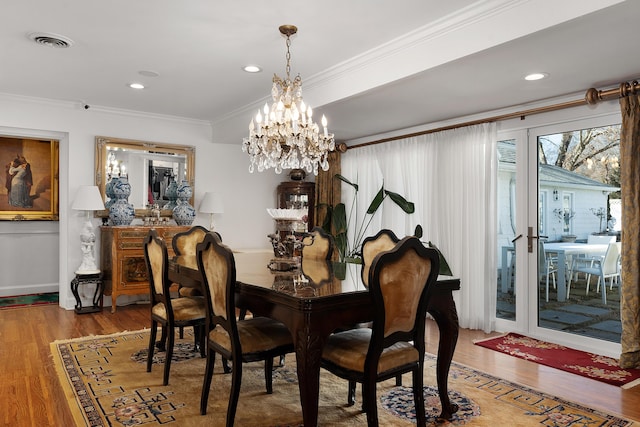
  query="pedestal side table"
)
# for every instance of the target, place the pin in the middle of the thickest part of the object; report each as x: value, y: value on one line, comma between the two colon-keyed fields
x: 88, y: 279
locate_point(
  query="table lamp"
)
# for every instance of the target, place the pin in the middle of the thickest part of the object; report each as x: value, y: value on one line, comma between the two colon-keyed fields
x: 211, y: 204
x: 88, y: 199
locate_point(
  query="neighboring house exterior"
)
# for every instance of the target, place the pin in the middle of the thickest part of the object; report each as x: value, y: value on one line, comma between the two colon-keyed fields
x: 559, y: 189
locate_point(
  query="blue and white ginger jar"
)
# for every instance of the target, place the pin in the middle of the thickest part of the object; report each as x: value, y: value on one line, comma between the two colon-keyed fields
x: 184, y: 213
x: 172, y: 194
x: 108, y: 191
x: 121, y: 211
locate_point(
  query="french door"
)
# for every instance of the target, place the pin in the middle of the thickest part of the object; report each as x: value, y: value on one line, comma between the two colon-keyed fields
x: 539, y: 203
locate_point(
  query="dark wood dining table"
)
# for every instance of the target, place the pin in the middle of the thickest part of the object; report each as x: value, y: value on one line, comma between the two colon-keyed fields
x: 312, y: 307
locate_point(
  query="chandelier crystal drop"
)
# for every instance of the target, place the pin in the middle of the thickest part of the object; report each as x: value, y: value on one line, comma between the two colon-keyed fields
x: 284, y: 136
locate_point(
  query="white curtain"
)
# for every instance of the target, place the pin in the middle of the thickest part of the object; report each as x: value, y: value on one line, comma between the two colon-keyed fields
x: 450, y: 176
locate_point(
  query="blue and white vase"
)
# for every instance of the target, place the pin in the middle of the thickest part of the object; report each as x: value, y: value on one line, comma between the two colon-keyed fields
x: 184, y: 213
x: 121, y: 211
x: 172, y: 194
x: 108, y: 191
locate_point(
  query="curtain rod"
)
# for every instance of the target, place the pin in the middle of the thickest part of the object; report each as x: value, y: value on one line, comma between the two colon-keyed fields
x: 592, y: 96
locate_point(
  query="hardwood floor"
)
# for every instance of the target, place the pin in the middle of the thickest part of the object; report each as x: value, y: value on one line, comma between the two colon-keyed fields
x: 31, y: 395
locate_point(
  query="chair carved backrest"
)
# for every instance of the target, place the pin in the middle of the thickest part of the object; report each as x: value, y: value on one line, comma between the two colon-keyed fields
x: 383, y: 241
x: 399, y: 282
x: 600, y: 240
x: 185, y: 243
x: 317, y: 244
x: 611, y: 259
x: 217, y: 264
x: 157, y: 260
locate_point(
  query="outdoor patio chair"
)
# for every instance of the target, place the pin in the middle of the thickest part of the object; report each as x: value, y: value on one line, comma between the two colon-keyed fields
x: 547, y: 267
x: 606, y: 267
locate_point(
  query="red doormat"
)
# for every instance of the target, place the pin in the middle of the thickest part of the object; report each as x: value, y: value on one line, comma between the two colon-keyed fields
x: 601, y: 368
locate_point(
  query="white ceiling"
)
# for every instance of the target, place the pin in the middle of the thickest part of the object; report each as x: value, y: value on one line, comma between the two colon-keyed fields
x: 371, y: 66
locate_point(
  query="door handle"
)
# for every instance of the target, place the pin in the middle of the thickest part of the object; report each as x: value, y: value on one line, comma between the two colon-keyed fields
x: 530, y: 238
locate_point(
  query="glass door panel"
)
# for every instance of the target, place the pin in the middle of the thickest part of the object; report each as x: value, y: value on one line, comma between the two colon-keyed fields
x: 506, y: 214
x: 578, y: 216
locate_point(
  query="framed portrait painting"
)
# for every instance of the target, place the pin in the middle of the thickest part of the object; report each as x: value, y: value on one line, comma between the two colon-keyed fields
x: 29, y: 186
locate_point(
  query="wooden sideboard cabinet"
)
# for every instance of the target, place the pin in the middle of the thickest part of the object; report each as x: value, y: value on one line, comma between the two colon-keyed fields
x: 122, y: 258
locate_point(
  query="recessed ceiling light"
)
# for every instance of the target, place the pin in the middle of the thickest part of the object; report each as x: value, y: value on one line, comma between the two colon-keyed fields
x: 136, y: 85
x: 536, y: 76
x: 252, y: 68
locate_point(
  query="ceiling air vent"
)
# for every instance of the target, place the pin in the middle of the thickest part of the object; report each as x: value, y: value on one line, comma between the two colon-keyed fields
x: 51, y: 40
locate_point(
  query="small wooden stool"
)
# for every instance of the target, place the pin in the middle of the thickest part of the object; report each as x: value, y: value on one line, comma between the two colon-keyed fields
x: 88, y: 279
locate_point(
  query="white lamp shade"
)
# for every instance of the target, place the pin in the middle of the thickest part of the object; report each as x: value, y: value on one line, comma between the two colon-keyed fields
x: 211, y: 203
x: 88, y: 198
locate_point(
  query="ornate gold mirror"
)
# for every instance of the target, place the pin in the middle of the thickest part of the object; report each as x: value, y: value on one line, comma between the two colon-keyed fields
x: 149, y: 166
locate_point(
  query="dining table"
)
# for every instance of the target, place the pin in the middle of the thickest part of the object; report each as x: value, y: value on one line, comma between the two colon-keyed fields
x: 565, y: 252
x: 315, y: 298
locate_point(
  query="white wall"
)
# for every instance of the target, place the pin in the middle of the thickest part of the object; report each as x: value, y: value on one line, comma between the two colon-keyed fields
x: 219, y: 167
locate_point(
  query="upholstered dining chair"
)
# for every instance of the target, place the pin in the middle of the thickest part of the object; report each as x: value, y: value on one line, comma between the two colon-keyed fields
x: 165, y: 311
x: 238, y: 340
x: 382, y: 241
x: 399, y: 282
x: 317, y: 244
x: 185, y: 244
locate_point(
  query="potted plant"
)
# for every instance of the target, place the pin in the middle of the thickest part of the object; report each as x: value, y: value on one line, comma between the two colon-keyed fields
x: 601, y: 213
x: 564, y: 216
x: 337, y: 222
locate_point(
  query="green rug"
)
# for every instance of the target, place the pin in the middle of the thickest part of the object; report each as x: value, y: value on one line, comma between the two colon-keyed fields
x: 105, y: 382
x: 27, y: 300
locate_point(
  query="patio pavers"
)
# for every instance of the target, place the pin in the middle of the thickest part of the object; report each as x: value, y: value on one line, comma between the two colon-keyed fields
x: 585, y: 309
x: 564, y: 317
x: 614, y: 326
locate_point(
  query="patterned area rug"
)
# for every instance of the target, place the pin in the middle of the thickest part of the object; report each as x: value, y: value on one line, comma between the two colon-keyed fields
x: 27, y: 300
x: 106, y: 384
x: 589, y: 365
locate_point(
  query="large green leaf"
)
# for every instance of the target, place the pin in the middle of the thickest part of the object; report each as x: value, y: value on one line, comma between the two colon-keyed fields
x: 328, y: 219
x: 339, y: 218
x: 341, y: 244
x: 405, y: 205
x: 346, y: 181
x: 376, y: 202
x: 445, y: 270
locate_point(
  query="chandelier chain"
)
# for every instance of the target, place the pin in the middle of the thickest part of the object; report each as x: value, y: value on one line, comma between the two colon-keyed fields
x: 288, y: 56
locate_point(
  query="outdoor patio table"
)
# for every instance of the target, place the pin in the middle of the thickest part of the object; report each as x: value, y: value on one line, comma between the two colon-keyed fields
x: 565, y: 251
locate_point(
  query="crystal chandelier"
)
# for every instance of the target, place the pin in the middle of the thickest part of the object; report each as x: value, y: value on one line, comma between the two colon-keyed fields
x: 285, y: 136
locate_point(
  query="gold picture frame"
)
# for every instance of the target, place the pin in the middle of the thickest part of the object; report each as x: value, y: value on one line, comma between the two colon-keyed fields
x: 142, y: 152
x: 29, y: 187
